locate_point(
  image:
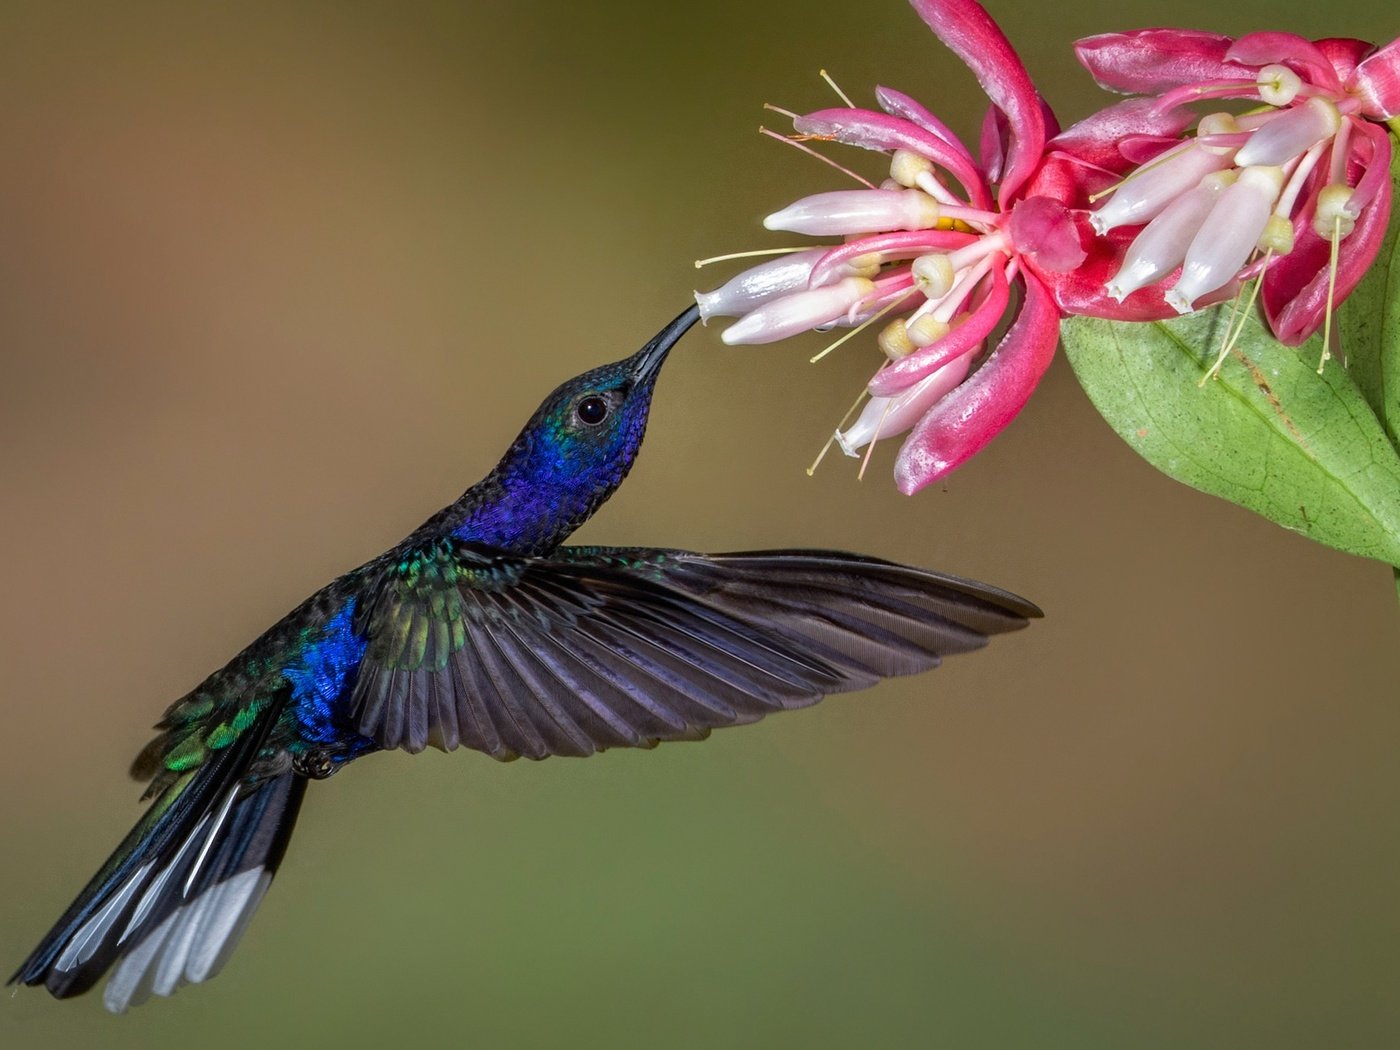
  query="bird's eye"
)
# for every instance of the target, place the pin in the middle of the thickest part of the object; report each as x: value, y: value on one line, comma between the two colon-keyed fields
x: 591, y: 410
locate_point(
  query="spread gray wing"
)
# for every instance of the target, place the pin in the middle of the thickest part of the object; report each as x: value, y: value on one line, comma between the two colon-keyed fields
x: 593, y: 647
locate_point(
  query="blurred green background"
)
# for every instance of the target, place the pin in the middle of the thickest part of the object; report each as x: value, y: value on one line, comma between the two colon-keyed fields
x: 278, y: 280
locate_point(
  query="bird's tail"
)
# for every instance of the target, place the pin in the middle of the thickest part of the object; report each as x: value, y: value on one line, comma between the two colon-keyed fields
x: 170, y: 904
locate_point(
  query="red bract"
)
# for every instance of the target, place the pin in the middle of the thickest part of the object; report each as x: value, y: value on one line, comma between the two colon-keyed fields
x: 939, y: 248
x: 1275, y: 191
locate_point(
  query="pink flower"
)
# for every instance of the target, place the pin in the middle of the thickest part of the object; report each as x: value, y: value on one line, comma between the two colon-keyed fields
x: 1281, y: 190
x: 935, y: 253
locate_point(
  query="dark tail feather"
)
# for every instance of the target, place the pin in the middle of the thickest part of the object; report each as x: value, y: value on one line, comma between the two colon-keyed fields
x: 170, y: 904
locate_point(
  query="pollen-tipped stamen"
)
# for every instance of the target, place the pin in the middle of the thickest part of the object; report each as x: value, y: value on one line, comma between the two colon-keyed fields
x: 796, y: 144
x: 858, y: 329
x: 864, y: 393
x: 836, y: 88
x: 700, y: 264
x: 1234, y: 325
x: 874, y: 439
x: 1331, y: 296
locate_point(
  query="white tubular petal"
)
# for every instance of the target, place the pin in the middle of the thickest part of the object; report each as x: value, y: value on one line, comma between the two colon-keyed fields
x: 1159, y: 249
x: 759, y: 284
x: 798, y: 312
x: 885, y: 417
x: 857, y: 211
x: 1290, y: 134
x: 1153, y: 186
x: 1228, y: 237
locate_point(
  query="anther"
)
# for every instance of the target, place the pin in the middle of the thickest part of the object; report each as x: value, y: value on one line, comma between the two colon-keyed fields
x: 1278, y: 85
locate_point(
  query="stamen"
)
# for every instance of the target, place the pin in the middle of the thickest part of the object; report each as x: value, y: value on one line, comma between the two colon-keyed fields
x: 779, y: 109
x: 700, y: 264
x: 928, y: 182
x: 874, y: 438
x: 839, y: 93
x: 858, y: 329
x: 1299, y: 175
x: 1219, y: 133
x: 1340, y: 142
x: 1278, y: 85
x: 795, y: 144
x: 949, y: 305
x: 1234, y: 330
x: 1331, y: 295
x: 1211, y: 89
x: 1333, y: 215
x: 832, y: 440
x: 894, y: 340
x: 934, y: 274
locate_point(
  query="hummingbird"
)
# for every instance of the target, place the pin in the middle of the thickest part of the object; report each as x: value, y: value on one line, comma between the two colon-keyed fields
x: 483, y: 629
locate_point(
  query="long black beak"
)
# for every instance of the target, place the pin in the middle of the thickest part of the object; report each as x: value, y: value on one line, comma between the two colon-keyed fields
x: 647, y: 361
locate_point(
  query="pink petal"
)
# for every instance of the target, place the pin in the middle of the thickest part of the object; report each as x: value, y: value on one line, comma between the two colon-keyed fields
x: 1344, y: 53
x: 972, y: 35
x: 1138, y: 150
x: 992, y: 145
x: 880, y: 131
x: 1149, y: 61
x: 1048, y: 118
x: 1100, y: 139
x: 1295, y: 288
x: 1081, y: 291
x: 1296, y: 52
x: 1069, y: 180
x: 898, y: 104
x: 960, y: 425
x: 961, y: 340
x: 1041, y: 228
x: 886, y: 417
x: 1375, y: 171
x: 1376, y: 82
x: 906, y: 244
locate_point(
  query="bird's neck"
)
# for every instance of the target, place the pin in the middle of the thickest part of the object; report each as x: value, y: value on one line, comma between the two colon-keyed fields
x: 532, y: 501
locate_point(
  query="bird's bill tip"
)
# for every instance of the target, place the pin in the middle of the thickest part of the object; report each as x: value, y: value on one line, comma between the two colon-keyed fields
x: 649, y: 359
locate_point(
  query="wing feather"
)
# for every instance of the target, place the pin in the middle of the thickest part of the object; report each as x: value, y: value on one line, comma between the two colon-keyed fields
x: 593, y: 648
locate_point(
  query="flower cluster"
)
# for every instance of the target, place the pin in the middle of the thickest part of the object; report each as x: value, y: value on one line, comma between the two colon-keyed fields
x: 1136, y: 213
x: 1300, y: 179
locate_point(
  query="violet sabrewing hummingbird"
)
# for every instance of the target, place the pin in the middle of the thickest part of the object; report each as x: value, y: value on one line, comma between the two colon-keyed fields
x: 482, y: 629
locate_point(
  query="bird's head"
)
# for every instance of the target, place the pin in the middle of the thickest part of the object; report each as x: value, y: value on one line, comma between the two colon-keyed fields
x: 580, y: 443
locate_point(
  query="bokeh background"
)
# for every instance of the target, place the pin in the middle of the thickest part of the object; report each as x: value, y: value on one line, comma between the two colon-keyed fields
x: 278, y: 280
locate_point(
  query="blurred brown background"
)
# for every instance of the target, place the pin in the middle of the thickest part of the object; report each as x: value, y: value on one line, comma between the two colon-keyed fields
x: 278, y: 280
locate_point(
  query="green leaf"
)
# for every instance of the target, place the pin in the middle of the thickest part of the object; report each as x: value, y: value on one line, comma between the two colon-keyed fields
x: 1302, y: 449
x: 1369, y: 324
